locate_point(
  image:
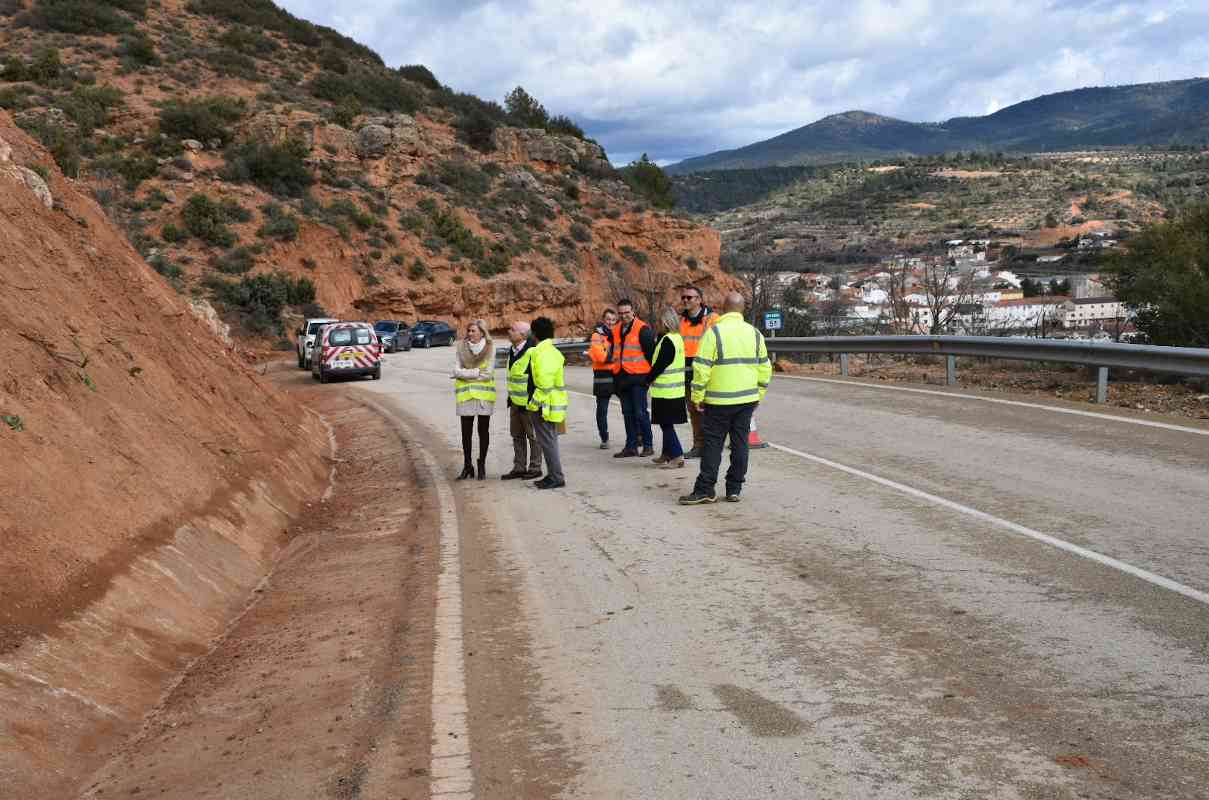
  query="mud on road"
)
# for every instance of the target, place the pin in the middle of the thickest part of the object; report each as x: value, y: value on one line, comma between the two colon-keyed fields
x: 321, y: 687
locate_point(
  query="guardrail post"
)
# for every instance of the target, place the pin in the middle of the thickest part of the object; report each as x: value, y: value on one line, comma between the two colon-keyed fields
x: 1101, y: 384
x: 951, y: 370
x: 844, y: 364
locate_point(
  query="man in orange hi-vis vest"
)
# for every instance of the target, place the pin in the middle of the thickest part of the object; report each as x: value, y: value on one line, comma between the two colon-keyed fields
x: 634, y: 344
x: 600, y: 351
x: 695, y: 320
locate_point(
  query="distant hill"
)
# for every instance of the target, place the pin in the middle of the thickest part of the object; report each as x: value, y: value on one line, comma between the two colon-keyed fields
x: 1141, y: 114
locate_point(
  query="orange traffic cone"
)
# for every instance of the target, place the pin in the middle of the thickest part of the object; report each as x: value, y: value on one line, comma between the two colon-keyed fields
x: 754, y: 442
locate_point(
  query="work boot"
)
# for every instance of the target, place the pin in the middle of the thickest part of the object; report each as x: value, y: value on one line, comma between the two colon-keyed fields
x: 533, y: 473
x: 626, y: 453
x: 513, y: 474
x: 732, y: 498
x: 604, y: 445
x: 694, y: 453
x: 696, y: 499
x: 673, y: 463
x: 549, y: 484
x: 661, y: 459
x: 647, y: 451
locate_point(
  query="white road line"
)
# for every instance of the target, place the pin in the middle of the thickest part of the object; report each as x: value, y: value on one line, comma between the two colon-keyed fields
x: 450, y: 771
x: 1056, y: 409
x: 1082, y: 552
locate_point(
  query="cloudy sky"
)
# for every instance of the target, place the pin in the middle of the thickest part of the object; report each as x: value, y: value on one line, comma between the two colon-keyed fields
x: 677, y: 79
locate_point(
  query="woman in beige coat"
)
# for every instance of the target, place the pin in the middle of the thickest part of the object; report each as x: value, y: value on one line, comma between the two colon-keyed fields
x: 474, y: 392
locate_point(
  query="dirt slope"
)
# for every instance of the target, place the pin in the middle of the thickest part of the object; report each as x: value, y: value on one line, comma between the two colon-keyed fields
x: 125, y: 414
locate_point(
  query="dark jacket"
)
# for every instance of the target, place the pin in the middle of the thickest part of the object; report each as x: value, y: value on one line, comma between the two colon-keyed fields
x: 646, y: 340
x: 602, y: 379
x: 664, y: 411
x: 512, y: 357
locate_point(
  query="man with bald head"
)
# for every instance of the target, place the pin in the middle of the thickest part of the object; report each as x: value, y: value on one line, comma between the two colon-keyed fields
x: 526, y: 455
x: 730, y: 376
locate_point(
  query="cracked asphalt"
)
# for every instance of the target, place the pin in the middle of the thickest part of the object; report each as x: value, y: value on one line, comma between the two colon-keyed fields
x: 831, y: 636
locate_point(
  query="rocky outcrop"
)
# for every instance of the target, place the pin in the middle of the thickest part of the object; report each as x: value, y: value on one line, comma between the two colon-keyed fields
x: 535, y: 144
x: 32, y: 180
x: 398, y: 133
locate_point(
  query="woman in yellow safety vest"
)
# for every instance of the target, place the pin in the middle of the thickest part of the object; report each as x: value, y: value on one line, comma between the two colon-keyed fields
x: 666, y: 380
x: 474, y: 392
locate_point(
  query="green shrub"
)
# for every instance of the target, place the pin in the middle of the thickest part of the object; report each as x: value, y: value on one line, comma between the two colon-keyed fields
x: 87, y: 17
x: 134, y: 168
x: 580, y: 233
x: 464, y: 177
x: 346, y: 112
x: 11, y: 8
x: 247, y: 41
x: 88, y: 106
x: 311, y: 263
x: 649, y: 181
x: 279, y: 224
x: 45, y: 67
x: 417, y: 270
x: 232, y: 63
x: 277, y: 168
x: 448, y: 227
x: 14, y: 70
x: 332, y: 61
x: 375, y: 90
x: 139, y: 51
x: 12, y: 98
x: 347, y: 209
x: 166, y: 268
x: 172, y: 234
x: 412, y: 222
x: 205, y: 120
x: 234, y: 262
x: 477, y: 130
x: 207, y: 220
x: 260, y: 299
x: 398, y: 259
x: 637, y: 256
x: 417, y: 73
x: 63, y: 145
x: 565, y: 125
x: 264, y: 14
x: 525, y: 110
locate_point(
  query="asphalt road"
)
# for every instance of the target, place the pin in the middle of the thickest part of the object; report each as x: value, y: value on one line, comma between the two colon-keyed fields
x: 919, y: 596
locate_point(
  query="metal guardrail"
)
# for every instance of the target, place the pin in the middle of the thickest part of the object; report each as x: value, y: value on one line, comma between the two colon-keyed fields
x: 1101, y: 355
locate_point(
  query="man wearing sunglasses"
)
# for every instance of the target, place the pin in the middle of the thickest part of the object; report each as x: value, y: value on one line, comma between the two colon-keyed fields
x: 695, y: 319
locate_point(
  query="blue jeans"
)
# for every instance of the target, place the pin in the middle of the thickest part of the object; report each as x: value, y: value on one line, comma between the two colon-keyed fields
x: 637, y: 416
x: 602, y: 416
x: 671, y: 442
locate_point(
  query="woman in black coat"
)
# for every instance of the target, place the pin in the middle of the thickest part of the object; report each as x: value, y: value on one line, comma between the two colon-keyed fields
x: 667, y: 413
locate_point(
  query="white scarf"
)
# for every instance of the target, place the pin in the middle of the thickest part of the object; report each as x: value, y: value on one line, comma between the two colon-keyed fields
x: 477, y: 347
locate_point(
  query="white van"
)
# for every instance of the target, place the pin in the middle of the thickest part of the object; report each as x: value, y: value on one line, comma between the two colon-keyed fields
x: 306, y: 339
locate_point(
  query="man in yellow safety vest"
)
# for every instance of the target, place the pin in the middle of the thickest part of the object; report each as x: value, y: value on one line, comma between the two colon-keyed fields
x: 730, y: 376
x: 549, y: 400
x: 526, y: 455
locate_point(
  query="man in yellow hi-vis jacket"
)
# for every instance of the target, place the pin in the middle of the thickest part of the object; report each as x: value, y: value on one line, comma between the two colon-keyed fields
x: 730, y: 376
x: 549, y: 400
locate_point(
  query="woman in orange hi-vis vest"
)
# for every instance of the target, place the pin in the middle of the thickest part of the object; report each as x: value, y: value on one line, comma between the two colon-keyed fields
x: 600, y: 351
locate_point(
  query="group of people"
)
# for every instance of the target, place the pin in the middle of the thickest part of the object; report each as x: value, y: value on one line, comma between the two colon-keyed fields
x: 696, y: 366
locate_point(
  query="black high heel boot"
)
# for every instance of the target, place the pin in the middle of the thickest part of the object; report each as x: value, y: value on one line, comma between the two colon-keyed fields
x: 482, y: 469
x: 467, y: 471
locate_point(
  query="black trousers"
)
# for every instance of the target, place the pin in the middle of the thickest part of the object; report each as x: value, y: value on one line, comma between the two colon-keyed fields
x: 720, y: 422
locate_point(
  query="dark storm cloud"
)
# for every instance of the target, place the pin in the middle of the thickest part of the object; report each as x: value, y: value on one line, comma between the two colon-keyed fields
x: 675, y: 79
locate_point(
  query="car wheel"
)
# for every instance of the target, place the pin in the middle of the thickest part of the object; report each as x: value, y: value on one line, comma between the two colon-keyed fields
x: 322, y: 375
x: 301, y: 363
x: 427, y: 343
x: 377, y: 374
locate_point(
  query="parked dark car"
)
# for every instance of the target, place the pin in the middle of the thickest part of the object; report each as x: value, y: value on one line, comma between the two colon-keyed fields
x: 432, y: 333
x: 393, y: 334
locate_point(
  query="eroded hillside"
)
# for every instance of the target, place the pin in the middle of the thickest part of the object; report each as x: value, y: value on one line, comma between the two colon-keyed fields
x: 279, y: 167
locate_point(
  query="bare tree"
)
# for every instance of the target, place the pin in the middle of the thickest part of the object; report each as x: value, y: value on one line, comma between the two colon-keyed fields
x: 946, y: 292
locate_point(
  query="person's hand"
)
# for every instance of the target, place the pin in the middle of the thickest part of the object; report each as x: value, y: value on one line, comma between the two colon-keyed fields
x: 700, y: 407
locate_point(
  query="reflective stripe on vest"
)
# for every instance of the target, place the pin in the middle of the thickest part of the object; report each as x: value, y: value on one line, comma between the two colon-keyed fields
x: 732, y: 379
x: 518, y: 379
x: 465, y: 391
x: 633, y: 360
x: 551, y: 401
x: 670, y: 383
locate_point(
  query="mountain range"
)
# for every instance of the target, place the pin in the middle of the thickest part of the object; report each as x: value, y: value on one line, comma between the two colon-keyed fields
x: 1171, y: 112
